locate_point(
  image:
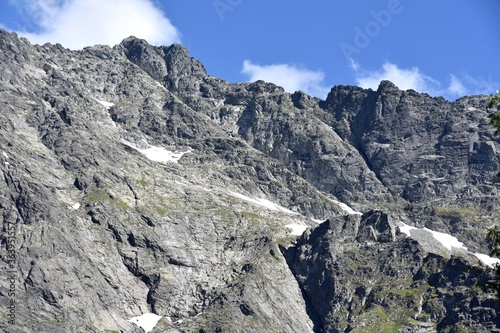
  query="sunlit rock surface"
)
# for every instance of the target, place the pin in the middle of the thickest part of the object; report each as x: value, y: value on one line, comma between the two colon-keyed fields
x: 135, y: 183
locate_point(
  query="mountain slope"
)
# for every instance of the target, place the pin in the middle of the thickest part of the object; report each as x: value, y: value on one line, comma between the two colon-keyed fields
x: 137, y: 183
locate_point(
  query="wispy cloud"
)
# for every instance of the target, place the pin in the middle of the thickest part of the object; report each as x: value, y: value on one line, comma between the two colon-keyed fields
x: 456, y: 87
x: 353, y: 64
x: 411, y: 78
x: 414, y: 78
x: 291, y: 77
x: 79, y: 23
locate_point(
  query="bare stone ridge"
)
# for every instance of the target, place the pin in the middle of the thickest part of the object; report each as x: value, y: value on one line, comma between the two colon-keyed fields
x: 133, y: 183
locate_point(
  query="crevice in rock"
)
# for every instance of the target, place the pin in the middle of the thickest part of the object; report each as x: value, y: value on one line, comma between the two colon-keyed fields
x: 131, y: 188
x: 149, y: 221
x: 64, y: 115
x: 116, y: 233
x: 246, y: 310
x: 288, y: 254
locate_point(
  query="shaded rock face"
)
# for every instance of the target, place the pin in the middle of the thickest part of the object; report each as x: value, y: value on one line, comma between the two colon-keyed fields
x: 420, y: 147
x: 352, y: 280
x: 134, y: 182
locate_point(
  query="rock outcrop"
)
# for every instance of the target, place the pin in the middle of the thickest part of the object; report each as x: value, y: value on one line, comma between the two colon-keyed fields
x: 358, y: 275
x: 134, y: 182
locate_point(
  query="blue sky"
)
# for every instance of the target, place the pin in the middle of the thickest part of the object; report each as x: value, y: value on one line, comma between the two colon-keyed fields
x: 448, y: 48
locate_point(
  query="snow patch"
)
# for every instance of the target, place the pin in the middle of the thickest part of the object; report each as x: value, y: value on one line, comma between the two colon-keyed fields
x: 158, y: 154
x: 317, y: 221
x: 76, y: 206
x: 450, y: 242
x: 263, y: 202
x: 146, y: 321
x: 431, y: 157
x: 406, y: 229
x: 6, y: 157
x: 487, y: 260
x: 348, y: 210
x: 107, y: 105
x: 297, y: 229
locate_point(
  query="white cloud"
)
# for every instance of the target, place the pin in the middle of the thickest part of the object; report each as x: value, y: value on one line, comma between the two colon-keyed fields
x: 353, y: 64
x: 79, y: 23
x: 456, y: 87
x: 405, y: 79
x: 413, y: 78
x: 480, y: 85
x: 291, y: 77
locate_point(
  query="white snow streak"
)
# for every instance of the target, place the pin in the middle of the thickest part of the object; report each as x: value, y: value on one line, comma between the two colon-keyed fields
x: 158, y: 154
x: 146, y: 321
x: 487, y: 260
x: 6, y: 157
x: 76, y: 206
x: 406, y: 229
x: 297, y: 229
x: 450, y: 242
x: 107, y: 105
x: 348, y: 210
x: 263, y: 202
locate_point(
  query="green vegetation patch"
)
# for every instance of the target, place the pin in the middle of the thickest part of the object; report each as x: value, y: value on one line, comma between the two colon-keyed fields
x: 97, y: 195
x: 452, y: 211
x: 250, y: 215
x: 378, y: 321
x: 142, y: 182
x: 160, y: 210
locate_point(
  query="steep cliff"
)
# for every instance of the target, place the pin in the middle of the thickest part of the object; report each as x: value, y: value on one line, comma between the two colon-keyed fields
x: 133, y: 182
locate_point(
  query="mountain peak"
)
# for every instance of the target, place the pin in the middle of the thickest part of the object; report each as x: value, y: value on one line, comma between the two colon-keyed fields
x: 386, y: 85
x: 134, y: 185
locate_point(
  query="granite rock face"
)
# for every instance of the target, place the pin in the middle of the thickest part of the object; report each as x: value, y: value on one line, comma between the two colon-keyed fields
x: 134, y: 182
x: 357, y: 273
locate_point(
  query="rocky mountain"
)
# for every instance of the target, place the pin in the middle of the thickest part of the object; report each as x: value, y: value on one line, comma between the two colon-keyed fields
x: 139, y: 193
